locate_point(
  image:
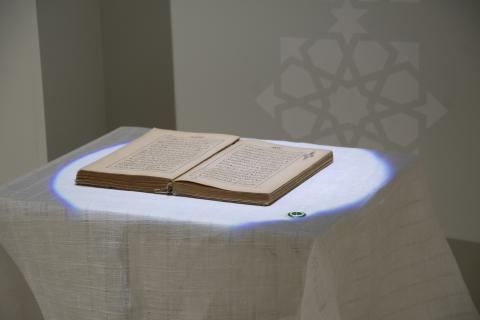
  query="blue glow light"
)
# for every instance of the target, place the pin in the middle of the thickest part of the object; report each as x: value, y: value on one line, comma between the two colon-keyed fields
x: 353, y: 177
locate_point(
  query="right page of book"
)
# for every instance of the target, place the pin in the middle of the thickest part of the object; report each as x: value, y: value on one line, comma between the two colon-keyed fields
x: 254, y: 166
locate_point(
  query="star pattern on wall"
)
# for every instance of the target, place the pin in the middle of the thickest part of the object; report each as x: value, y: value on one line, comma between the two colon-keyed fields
x: 347, y: 88
x: 347, y: 20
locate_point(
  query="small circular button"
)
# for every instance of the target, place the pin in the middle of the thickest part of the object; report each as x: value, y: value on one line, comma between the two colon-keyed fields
x: 297, y: 214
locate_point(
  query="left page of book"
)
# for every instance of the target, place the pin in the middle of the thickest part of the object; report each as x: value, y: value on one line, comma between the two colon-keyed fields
x: 162, y: 153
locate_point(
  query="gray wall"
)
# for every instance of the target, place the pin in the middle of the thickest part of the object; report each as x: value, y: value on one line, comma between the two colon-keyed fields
x: 394, y: 75
x: 105, y: 64
x: 468, y: 258
x: 72, y: 72
x: 22, y: 129
x: 138, y: 67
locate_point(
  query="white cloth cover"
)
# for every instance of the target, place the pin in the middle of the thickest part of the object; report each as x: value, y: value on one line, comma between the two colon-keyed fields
x: 374, y: 252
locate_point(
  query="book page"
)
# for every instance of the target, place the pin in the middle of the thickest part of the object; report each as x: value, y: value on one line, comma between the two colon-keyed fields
x: 254, y: 166
x: 162, y: 153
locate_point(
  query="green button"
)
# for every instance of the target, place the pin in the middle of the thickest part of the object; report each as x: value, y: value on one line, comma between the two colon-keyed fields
x: 297, y: 214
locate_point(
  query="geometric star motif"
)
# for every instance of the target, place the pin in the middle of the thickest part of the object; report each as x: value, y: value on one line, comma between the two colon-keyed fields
x: 347, y: 20
x: 362, y: 93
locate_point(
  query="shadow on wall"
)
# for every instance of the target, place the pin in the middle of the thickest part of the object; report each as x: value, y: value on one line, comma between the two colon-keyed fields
x: 16, y: 298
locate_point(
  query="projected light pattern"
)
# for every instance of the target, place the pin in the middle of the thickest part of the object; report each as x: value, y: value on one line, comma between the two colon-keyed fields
x: 346, y: 86
x: 353, y: 177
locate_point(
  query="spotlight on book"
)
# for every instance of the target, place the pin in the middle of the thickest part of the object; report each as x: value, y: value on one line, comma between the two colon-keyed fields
x: 354, y: 177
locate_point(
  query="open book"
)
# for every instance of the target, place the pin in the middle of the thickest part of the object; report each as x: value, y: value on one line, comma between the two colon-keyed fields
x: 205, y: 165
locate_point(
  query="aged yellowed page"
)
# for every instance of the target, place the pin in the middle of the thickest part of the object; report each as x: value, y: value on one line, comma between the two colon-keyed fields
x: 254, y: 166
x: 162, y: 153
